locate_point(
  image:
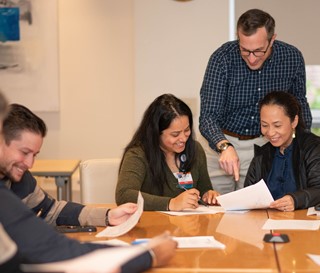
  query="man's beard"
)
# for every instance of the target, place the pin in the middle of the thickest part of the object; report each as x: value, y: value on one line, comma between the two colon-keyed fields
x: 11, y: 177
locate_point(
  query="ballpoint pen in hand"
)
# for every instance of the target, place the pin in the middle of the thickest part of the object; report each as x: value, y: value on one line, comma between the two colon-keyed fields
x: 199, y: 200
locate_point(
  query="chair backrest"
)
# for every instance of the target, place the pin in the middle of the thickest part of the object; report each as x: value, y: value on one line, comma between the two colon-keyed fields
x: 98, y: 180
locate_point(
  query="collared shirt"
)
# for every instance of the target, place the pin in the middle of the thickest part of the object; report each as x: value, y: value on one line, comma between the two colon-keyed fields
x: 231, y: 91
x: 281, y: 179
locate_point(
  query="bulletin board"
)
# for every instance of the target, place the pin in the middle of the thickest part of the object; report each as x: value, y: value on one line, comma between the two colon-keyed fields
x: 29, y: 71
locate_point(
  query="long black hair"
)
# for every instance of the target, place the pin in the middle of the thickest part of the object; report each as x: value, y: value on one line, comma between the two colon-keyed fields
x: 158, y: 117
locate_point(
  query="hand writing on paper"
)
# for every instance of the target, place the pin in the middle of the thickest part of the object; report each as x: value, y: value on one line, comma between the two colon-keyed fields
x: 186, y: 200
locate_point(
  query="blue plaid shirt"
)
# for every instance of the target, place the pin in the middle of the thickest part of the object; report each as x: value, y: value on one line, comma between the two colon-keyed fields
x: 231, y: 91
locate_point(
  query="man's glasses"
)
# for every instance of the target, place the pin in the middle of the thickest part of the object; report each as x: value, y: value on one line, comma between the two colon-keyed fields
x: 257, y: 53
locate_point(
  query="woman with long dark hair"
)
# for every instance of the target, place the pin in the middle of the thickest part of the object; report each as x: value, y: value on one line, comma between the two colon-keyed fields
x: 163, y: 160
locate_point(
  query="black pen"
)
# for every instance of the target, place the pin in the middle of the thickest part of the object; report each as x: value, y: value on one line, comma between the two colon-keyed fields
x: 199, y: 200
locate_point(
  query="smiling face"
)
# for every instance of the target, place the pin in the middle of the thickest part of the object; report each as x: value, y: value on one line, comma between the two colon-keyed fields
x: 19, y: 155
x: 255, y: 42
x: 276, y: 126
x: 174, y: 138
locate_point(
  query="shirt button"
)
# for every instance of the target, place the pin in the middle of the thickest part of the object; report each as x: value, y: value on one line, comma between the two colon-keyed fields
x: 259, y: 89
x: 247, y: 130
x: 252, y: 117
x: 259, y: 71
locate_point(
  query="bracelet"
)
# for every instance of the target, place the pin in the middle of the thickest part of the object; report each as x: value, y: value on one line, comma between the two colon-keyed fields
x: 154, y: 258
x: 107, y: 218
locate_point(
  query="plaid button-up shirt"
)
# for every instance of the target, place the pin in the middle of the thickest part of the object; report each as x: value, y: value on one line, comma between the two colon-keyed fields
x: 231, y: 91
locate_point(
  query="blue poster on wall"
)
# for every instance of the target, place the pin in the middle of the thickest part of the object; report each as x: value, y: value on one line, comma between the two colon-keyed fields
x: 9, y: 24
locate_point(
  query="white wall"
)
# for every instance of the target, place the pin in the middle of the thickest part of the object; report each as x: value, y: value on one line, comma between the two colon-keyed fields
x: 296, y: 23
x: 173, y: 43
x: 96, y: 80
x: 116, y: 56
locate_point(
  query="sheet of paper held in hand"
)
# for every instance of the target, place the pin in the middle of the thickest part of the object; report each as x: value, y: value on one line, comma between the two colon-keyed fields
x: 98, y: 261
x: 256, y: 196
x: 127, y: 225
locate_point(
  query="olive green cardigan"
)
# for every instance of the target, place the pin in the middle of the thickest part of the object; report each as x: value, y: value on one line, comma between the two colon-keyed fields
x: 135, y: 176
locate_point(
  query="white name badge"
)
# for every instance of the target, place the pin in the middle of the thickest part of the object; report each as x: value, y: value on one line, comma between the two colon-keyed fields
x: 185, y: 180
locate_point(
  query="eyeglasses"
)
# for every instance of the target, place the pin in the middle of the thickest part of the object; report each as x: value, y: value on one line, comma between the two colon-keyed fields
x: 256, y: 53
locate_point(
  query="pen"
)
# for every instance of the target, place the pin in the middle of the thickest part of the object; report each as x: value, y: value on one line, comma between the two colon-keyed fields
x: 139, y: 241
x: 199, y: 200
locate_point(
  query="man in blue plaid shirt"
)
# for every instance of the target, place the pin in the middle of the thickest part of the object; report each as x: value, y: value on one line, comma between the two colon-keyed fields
x: 239, y: 74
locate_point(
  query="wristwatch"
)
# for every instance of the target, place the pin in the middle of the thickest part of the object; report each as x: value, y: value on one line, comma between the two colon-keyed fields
x: 224, y: 146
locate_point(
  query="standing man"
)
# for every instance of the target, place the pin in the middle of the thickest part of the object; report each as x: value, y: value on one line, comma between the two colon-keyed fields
x: 238, y: 75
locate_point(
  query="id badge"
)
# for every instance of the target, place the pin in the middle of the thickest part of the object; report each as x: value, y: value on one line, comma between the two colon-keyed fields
x: 185, y: 180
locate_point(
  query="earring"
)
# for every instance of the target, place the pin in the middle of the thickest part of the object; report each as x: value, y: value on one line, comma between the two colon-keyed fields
x: 293, y: 133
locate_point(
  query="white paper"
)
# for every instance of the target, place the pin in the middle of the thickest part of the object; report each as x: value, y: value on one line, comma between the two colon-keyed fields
x: 198, y: 242
x: 315, y: 258
x: 312, y: 211
x: 292, y: 224
x: 102, y: 260
x: 189, y: 242
x: 199, y: 210
x: 127, y: 225
x: 256, y: 196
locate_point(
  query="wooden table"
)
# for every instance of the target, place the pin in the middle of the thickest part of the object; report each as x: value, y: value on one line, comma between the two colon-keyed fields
x: 61, y: 170
x: 292, y: 256
x: 241, y: 233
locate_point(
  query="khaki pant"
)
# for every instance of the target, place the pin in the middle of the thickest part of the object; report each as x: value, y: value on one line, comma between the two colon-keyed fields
x: 222, y: 182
